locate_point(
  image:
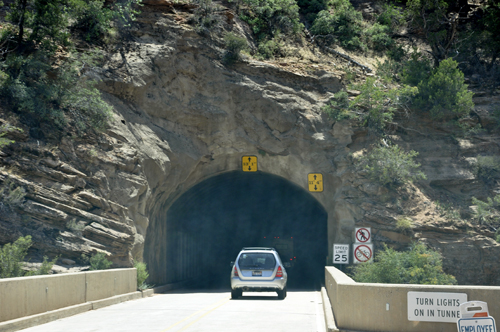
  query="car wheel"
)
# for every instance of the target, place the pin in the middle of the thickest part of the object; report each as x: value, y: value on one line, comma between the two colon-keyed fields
x: 282, y: 294
x: 236, y: 293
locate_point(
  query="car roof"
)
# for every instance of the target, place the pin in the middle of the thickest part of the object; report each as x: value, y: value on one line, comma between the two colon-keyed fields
x: 258, y: 248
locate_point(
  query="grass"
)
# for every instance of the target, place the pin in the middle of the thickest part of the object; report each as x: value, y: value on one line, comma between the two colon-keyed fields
x: 404, y: 224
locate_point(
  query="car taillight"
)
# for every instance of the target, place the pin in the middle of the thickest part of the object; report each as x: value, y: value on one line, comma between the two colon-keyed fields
x: 279, y: 273
x: 236, y: 272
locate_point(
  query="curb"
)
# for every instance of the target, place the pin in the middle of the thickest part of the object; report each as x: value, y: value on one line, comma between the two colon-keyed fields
x: 327, y: 308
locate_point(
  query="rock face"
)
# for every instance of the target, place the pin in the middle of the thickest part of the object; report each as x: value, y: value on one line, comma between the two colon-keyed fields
x: 182, y: 116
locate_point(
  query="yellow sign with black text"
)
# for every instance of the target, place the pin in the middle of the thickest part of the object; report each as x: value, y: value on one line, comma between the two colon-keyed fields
x: 315, y: 181
x: 249, y: 163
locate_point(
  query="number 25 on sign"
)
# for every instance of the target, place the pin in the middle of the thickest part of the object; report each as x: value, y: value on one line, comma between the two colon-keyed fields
x: 340, y: 253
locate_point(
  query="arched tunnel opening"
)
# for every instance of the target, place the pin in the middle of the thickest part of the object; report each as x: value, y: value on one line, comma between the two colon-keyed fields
x: 209, y: 224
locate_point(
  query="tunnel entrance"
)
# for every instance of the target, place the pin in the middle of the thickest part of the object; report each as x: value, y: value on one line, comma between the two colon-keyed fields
x: 209, y: 224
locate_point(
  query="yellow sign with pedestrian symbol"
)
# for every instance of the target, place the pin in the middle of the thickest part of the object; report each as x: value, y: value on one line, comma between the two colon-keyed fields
x: 249, y: 163
x: 315, y: 181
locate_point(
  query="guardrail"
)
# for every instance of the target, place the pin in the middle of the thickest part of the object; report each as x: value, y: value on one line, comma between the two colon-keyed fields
x: 384, y: 307
x: 27, y: 296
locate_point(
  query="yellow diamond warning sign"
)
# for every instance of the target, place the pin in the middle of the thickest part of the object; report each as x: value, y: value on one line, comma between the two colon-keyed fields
x: 315, y: 181
x: 249, y: 163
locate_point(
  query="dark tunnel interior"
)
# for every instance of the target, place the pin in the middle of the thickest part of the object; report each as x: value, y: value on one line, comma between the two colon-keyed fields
x: 209, y: 224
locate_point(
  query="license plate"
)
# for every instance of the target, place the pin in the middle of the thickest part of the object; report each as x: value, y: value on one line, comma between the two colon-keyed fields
x: 257, y: 273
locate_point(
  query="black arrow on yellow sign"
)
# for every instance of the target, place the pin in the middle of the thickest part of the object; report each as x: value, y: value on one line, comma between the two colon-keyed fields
x: 315, y: 182
x: 249, y: 163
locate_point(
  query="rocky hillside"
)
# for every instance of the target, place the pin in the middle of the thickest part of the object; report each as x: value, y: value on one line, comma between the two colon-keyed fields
x: 181, y: 115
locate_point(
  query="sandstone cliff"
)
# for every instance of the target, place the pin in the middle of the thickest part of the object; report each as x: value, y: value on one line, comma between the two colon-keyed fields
x: 182, y: 116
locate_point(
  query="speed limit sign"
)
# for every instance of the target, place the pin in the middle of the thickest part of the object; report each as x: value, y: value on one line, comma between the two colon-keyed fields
x: 340, y: 254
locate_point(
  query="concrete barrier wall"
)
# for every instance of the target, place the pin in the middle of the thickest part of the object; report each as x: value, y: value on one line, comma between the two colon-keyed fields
x: 363, y: 306
x: 26, y: 296
x: 108, y: 283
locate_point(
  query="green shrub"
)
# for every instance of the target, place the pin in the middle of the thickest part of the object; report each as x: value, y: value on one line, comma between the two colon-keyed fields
x: 491, y: 31
x: 448, y: 211
x: 344, y: 23
x: 487, y: 168
x: 426, y: 17
x: 142, y: 275
x: 311, y: 8
x: 95, y: 20
x: 46, y: 266
x: 47, y: 23
x: 125, y: 11
x: 52, y: 98
x: 92, y: 19
x: 98, y: 261
x: 376, y: 104
x: 391, y: 16
x: 487, y: 211
x: 378, y: 37
x: 234, y: 45
x: 404, y: 224
x: 388, y: 70
x: 12, y: 256
x: 444, y: 93
x: 407, y: 68
x: 269, y: 49
x: 205, y: 15
x: 416, y: 69
x: 75, y: 226
x: 419, y: 265
x: 338, y: 108
x: 4, y: 130
x: 10, y: 194
x: 86, y: 107
x: 391, y: 166
x: 392, y: 68
x: 29, y: 89
x: 42, y: 22
x: 271, y: 18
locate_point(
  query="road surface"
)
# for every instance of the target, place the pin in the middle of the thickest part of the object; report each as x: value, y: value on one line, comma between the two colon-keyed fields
x: 300, y: 311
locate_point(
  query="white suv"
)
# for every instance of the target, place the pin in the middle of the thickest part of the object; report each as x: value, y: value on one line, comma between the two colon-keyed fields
x: 258, y: 270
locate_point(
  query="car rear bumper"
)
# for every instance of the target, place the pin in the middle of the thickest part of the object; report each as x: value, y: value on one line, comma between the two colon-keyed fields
x: 258, y: 285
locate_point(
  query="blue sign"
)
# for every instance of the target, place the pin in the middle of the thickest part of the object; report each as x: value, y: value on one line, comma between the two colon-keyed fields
x: 476, y: 324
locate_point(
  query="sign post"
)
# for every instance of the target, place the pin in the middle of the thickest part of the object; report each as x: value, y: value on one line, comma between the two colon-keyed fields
x: 340, y: 253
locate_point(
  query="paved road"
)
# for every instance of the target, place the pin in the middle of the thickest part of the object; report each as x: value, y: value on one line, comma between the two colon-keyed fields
x: 301, y: 311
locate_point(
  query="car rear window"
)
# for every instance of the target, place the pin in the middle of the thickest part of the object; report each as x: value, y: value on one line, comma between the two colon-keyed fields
x: 256, y: 261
